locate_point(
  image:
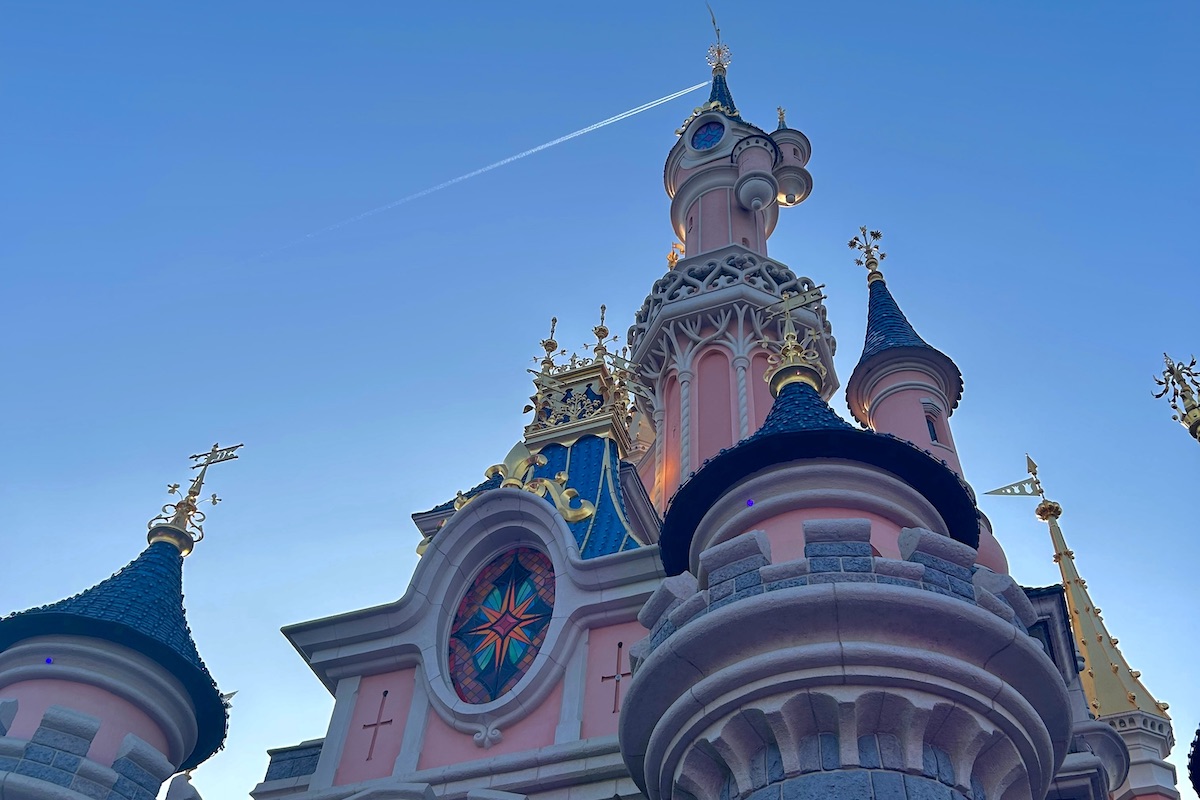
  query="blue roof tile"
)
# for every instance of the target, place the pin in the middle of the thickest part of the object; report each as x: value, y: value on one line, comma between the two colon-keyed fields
x: 720, y: 94
x: 140, y: 607
x: 593, y: 467
x: 797, y: 408
x: 491, y: 483
x: 800, y: 425
x: 888, y: 329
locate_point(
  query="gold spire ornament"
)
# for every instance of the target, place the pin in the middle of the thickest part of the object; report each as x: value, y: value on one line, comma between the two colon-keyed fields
x: 516, y: 472
x: 867, y: 243
x: 181, y: 523
x: 675, y: 254
x: 782, y: 113
x: 719, y: 55
x: 1110, y: 685
x: 794, y: 360
x: 1181, y: 382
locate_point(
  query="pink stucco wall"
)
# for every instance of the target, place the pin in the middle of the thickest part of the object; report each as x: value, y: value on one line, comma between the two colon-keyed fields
x: 599, y: 718
x: 760, y: 391
x: 714, y: 219
x: 118, y: 716
x: 669, y: 479
x: 785, y: 531
x: 903, y: 414
x: 714, y: 417
x: 355, y: 765
x: 755, y: 158
x: 991, y: 554
x: 444, y: 745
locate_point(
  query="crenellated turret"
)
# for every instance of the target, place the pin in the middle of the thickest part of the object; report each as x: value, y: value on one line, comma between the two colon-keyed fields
x: 108, y: 685
x: 826, y: 631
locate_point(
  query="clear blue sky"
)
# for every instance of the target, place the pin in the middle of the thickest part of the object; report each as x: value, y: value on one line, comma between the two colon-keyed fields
x: 1032, y: 165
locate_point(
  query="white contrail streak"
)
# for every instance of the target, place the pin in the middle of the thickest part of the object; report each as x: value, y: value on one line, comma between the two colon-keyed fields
x: 488, y: 168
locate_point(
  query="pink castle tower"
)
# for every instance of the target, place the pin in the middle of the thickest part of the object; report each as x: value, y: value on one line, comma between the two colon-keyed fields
x: 904, y: 386
x: 697, y: 341
x: 104, y: 695
x: 821, y: 611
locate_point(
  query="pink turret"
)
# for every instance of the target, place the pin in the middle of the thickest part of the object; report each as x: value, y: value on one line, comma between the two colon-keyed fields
x: 904, y: 386
x: 106, y: 690
x: 727, y: 178
x: 697, y: 341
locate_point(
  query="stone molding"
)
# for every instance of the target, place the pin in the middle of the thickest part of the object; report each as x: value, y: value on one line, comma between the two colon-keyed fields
x: 53, y: 765
x: 865, y: 380
x: 842, y: 643
x: 113, y: 668
x: 415, y: 629
x: 815, y: 483
x: 586, y: 769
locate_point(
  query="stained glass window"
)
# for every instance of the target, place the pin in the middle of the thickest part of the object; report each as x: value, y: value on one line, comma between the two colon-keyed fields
x: 707, y: 135
x: 501, y: 624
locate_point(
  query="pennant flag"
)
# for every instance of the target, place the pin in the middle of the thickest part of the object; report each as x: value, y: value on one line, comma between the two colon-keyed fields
x: 1025, y: 488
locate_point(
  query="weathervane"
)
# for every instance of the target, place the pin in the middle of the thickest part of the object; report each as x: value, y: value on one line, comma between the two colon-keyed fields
x: 719, y: 55
x: 675, y: 254
x: 1030, y: 487
x: 795, y: 360
x: 867, y: 243
x: 1180, y: 384
x: 181, y: 523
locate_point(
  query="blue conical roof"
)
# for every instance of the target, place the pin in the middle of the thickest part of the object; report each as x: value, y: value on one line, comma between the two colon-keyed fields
x: 140, y: 607
x: 889, y: 330
x: 802, y: 426
x: 800, y: 408
x: 720, y: 94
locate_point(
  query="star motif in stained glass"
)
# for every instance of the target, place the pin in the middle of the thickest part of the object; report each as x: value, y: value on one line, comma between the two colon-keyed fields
x: 707, y: 135
x: 504, y: 627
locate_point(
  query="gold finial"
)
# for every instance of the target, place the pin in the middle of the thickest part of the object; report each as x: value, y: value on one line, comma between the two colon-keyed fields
x: 867, y: 244
x: 797, y: 361
x: 1108, y: 682
x: 599, y: 351
x: 675, y: 254
x: 550, y: 346
x: 517, y: 472
x: 181, y: 523
x: 782, y: 112
x: 1183, y: 384
x: 718, y: 53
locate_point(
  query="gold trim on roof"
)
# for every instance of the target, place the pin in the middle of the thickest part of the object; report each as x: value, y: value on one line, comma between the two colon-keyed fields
x: 1183, y: 384
x: 1110, y: 685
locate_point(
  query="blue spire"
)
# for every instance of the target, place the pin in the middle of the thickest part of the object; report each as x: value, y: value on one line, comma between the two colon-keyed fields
x: 140, y: 607
x: 889, y: 329
x: 721, y: 95
x: 800, y: 408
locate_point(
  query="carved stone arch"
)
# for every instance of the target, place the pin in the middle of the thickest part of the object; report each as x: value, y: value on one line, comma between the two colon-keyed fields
x: 702, y: 772
x: 742, y: 743
x: 998, y: 769
x: 493, y: 523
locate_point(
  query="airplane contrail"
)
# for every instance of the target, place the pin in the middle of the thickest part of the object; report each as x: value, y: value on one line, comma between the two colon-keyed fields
x: 502, y: 162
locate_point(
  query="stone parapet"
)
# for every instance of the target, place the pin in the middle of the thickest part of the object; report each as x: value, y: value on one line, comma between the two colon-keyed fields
x: 842, y: 674
x: 56, y: 756
x: 836, y: 551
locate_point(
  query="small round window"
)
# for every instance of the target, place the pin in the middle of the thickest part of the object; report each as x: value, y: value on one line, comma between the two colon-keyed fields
x: 707, y: 135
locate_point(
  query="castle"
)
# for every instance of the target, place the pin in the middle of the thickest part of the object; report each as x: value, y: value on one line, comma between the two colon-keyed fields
x: 691, y: 579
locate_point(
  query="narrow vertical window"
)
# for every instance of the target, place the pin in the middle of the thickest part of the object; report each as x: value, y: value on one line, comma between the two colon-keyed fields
x: 933, y: 437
